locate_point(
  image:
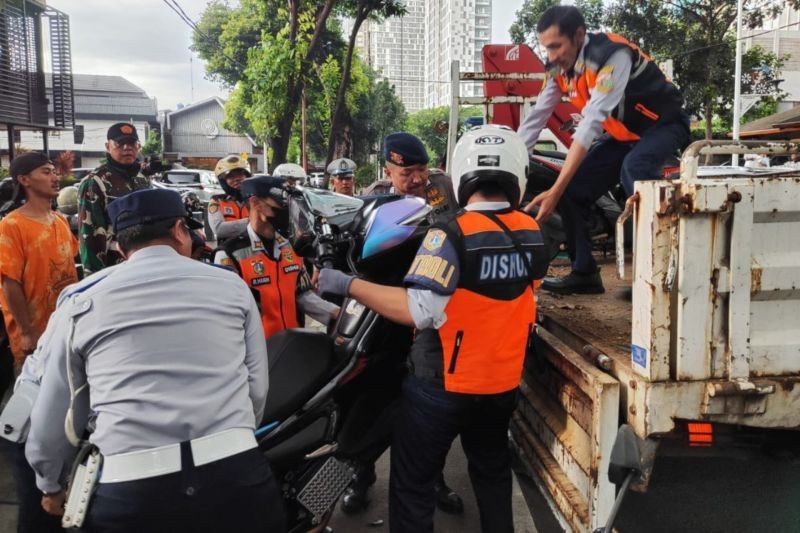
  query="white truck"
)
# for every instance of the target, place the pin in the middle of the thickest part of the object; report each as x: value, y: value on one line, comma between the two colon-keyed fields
x: 707, y: 354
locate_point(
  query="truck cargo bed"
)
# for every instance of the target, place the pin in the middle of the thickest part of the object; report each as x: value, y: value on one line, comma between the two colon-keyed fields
x: 602, y: 320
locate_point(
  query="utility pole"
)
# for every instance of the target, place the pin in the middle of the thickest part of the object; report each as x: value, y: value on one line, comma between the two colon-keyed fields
x: 737, y: 84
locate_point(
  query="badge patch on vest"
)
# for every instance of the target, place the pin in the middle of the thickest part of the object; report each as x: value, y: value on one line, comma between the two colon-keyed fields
x: 288, y: 255
x: 227, y: 211
x: 213, y: 207
x: 291, y: 268
x: 226, y: 261
x: 434, y: 240
x: 604, y: 83
x: 258, y: 267
x: 261, y: 281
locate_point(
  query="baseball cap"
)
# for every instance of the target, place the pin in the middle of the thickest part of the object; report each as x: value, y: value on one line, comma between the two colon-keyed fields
x: 147, y: 206
x: 122, y: 131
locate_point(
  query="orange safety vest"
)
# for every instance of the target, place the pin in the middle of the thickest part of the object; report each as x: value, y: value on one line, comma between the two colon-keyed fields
x: 649, y: 95
x: 481, y: 347
x: 231, y: 210
x: 273, y: 281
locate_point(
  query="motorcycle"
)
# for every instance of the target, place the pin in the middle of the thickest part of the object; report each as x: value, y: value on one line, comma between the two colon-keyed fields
x: 333, y: 395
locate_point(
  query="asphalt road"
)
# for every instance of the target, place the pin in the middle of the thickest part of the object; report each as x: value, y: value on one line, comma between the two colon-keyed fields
x: 712, y: 494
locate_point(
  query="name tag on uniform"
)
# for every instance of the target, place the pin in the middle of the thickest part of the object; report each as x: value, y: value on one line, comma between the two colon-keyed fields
x: 291, y: 268
x: 264, y: 280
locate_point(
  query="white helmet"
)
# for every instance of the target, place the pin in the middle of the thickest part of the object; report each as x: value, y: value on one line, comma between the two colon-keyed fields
x: 67, y: 200
x: 492, y: 154
x: 289, y: 171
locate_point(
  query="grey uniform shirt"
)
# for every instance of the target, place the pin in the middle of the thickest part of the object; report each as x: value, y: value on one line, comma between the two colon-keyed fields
x: 165, y: 362
x: 599, y: 107
x: 427, y: 307
x: 221, y: 228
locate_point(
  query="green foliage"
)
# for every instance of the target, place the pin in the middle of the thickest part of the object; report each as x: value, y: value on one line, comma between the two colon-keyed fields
x: 3, y: 172
x: 523, y: 29
x: 697, y: 35
x: 766, y: 107
x: 431, y: 126
x: 226, y: 34
x: 365, y: 174
x: 378, y: 113
x: 152, y: 146
x: 704, y: 64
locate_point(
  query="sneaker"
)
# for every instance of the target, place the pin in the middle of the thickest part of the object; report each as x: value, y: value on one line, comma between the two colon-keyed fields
x: 575, y: 283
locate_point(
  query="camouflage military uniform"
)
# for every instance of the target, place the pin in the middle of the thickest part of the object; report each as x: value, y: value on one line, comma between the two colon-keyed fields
x: 103, y: 185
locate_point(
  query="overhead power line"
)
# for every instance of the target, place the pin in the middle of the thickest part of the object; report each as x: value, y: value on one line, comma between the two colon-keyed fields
x: 176, y: 7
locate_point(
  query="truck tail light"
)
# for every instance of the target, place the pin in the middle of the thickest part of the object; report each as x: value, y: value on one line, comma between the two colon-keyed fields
x: 700, y: 434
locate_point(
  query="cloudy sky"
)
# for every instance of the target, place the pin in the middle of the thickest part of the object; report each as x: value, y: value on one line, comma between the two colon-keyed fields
x: 145, y: 42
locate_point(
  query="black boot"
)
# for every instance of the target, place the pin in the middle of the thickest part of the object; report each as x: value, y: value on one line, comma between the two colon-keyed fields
x: 355, y: 497
x: 575, y: 283
x: 446, y: 498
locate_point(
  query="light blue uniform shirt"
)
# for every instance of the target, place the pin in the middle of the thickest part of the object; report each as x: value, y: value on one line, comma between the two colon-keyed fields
x: 597, y: 109
x: 172, y: 349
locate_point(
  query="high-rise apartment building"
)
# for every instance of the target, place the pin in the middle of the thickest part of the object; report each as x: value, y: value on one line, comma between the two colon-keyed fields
x: 395, y: 48
x: 783, y: 39
x: 454, y: 30
x: 414, y: 52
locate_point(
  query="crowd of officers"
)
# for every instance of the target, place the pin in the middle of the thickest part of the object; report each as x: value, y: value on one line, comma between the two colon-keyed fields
x: 173, y: 350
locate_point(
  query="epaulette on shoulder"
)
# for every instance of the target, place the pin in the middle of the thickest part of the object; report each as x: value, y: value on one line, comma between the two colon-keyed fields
x: 81, y: 286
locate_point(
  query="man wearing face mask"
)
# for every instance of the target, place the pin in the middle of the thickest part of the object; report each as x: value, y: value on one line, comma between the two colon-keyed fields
x: 118, y: 176
x: 266, y: 261
x: 227, y: 213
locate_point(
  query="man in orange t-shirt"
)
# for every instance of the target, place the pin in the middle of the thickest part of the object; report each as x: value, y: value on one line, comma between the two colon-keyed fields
x: 37, y: 251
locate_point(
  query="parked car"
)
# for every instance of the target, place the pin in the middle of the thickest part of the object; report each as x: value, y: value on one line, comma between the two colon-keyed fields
x: 202, y: 182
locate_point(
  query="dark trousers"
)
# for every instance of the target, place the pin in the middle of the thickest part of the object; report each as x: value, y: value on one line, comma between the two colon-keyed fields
x: 429, y: 420
x: 238, y: 493
x: 608, y: 162
x: 31, y: 517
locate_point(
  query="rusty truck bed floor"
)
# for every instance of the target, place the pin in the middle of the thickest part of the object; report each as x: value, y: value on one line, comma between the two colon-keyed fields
x: 601, y: 319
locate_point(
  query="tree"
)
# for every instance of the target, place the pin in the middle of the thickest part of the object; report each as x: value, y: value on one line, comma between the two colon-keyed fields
x: 704, y: 64
x: 378, y: 113
x: 267, y: 51
x: 152, y: 146
x: 431, y: 126
x: 523, y: 29
x: 360, y: 10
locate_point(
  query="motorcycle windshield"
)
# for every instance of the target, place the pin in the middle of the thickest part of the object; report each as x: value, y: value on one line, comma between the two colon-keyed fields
x: 392, y: 224
x: 305, y: 207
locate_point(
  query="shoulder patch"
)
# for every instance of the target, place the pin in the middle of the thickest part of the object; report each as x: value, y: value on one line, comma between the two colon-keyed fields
x: 434, y: 239
x: 604, y: 82
x: 213, y: 207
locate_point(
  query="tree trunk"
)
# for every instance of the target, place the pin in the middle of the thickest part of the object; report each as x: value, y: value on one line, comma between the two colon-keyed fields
x: 335, y: 138
x: 280, y: 143
x: 709, y: 113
